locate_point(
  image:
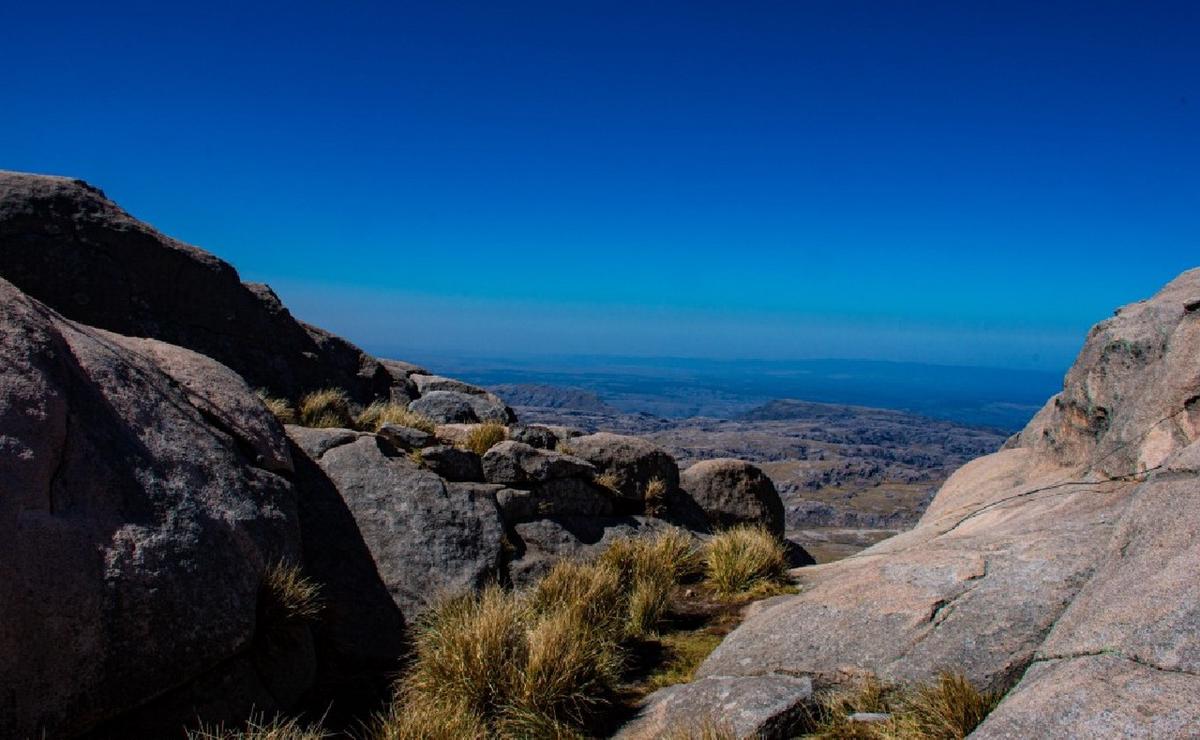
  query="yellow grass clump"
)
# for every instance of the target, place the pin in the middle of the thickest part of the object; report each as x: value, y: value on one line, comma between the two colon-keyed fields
x: 483, y: 437
x: 743, y: 558
x: 280, y: 407
x: 327, y: 408
x: 379, y: 413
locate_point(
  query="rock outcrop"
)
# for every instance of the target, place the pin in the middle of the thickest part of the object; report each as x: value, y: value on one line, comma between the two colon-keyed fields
x: 140, y: 506
x: 1064, y: 564
x: 631, y: 461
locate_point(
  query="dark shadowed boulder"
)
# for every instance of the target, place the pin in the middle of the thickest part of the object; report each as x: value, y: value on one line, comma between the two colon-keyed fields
x: 633, y: 462
x: 516, y: 463
x: 64, y: 243
x: 406, y: 438
x: 734, y: 492
x: 445, y: 407
x: 555, y: 498
x: 453, y: 464
x: 426, y: 536
x: 139, y: 511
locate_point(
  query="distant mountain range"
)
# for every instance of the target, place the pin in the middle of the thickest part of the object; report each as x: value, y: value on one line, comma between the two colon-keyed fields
x: 677, y: 388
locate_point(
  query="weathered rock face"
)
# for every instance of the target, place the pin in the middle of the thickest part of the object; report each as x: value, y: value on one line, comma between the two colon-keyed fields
x: 634, y: 462
x: 541, y: 543
x: 64, y: 243
x: 734, y: 492
x: 1068, y: 558
x: 139, y: 508
x: 427, y: 536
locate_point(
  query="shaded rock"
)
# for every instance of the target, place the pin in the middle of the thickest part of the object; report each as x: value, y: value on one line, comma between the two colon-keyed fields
x: 64, y: 243
x: 633, y: 462
x: 453, y: 464
x: 406, y: 438
x: 535, y: 436
x: 797, y: 556
x: 137, y: 517
x: 425, y: 535
x: 359, y: 639
x: 734, y: 492
x: 511, y: 463
x: 555, y: 498
x: 767, y: 706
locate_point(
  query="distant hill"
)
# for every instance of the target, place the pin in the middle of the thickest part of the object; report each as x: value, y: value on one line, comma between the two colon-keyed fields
x: 551, y: 397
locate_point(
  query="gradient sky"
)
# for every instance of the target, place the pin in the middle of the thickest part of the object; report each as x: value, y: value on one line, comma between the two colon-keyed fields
x: 952, y: 182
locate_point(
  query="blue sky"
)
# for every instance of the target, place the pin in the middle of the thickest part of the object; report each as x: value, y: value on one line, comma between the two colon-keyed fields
x: 952, y: 182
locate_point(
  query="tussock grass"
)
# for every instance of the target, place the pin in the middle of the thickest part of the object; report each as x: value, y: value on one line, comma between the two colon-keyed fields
x: 327, y: 408
x: 258, y: 728
x: 655, y: 496
x: 280, y: 407
x: 537, y: 663
x: 564, y: 448
x: 608, y: 480
x: 483, y: 437
x: 287, y: 597
x: 379, y: 413
x: 949, y: 708
x: 743, y: 558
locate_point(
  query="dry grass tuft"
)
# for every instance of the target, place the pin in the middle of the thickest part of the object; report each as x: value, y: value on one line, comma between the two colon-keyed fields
x: 949, y: 708
x: 742, y: 558
x: 685, y: 652
x: 608, y: 480
x: 655, y: 496
x: 326, y: 408
x: 483, y: 437
x: 564, y: 448
x: 389, y: 412
x: 652, y: 566
x: 258, y: 728
x: 287, y: 597
x: 280, y: 407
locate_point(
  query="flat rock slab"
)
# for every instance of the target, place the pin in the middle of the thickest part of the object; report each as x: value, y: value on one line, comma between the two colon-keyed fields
x: 762, y: 707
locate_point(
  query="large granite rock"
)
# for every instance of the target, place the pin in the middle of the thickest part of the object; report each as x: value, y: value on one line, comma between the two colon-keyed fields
x: 426, y: 536
x: 456, y: 407
x: 140, y: 505
x: 734, y: 492
x: 633, y: 462
x: 764, y: 707
x: 64, y: 243
x: 1065, y: 563
x: 542, y: 542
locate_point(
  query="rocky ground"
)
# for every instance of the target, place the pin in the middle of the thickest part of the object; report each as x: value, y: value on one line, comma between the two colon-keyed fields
x: 848, y: 475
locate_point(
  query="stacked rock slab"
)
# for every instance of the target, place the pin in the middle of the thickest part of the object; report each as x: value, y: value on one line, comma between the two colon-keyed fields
x: 1064, y: 564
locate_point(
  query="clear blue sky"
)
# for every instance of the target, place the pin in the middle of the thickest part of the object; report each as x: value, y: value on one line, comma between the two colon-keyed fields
x: 956, y: 182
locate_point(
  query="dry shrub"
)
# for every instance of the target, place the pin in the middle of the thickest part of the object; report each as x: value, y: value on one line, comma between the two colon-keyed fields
x: 744, y: 557
x: 483, y: 437
x: 389, y: 412
x: 326, y: 408
x: 258, y: 728
x: 280, y: 407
